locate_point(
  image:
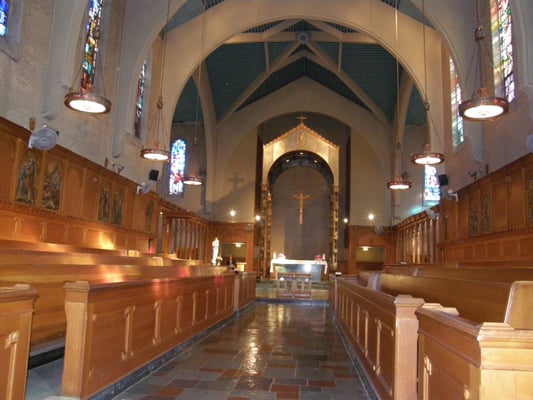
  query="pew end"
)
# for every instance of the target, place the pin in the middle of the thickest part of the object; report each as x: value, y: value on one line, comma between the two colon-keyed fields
x: 519, y: 311
x: 459, y: 358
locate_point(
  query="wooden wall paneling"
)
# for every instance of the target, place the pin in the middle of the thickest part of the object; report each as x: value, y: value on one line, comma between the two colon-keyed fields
x: 8, y: 155
x: 127, y: 212
x: 73, y: 190
x: 56, y: 232
x: 517, y: 191
x: 500, y: 201
x: 91, y: 193
x: 529, y: 197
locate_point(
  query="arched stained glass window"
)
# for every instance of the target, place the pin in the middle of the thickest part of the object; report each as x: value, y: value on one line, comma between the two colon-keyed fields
x: 502, y: 47
x: 92, y: 41
x: 431, y: 186
x: 139, y: 101
x: 455, y: 98
x: 178, y: 160
x: 4, y: 14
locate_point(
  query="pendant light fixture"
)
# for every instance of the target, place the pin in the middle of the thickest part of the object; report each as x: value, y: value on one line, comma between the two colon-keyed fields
x: 87, y: 99
x: 157, y: 153
x: 194, y: 174
x: 401, y: 182
x: 426, y: 157
x: 482, y: 106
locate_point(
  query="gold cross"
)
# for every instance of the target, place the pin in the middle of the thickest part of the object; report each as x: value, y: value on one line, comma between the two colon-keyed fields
x: 301, y: 197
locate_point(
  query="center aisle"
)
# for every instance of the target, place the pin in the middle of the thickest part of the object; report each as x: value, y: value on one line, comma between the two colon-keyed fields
x: 271, y: 351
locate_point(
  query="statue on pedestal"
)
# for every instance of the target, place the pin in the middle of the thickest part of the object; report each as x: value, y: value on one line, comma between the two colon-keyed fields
x: 215, y: 244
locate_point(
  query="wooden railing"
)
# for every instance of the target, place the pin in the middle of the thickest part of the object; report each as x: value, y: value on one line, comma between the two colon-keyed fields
x: 244, y: 289
x: 381, y: 330
x: 16, y: 309
x: 477, y: 345
x: 114, y: 329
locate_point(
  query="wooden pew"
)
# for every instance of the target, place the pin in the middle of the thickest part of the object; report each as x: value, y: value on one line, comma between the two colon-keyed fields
x: 459, y: 358
x: 482, y: 335
x: 9, y: 245
x: 480, y: 301
x: 382, y: 332
x: 16, y: 310
x: 49, y: 322
x: 114, y: 329
x: 509, y: 274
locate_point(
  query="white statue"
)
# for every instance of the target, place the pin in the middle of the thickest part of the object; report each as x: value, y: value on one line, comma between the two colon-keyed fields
x: 214, y: 256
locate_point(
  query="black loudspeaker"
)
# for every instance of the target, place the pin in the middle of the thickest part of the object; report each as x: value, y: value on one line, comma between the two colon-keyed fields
x: 154, y: 173
x: 443, y: 180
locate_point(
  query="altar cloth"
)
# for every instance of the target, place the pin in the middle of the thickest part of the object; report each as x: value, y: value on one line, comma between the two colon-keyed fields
x: 317, y: 268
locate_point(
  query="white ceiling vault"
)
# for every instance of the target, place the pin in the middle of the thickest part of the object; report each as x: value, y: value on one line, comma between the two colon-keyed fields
x: 251, y: 49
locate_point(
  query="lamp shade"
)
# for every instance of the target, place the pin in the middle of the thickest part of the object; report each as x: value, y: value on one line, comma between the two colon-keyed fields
x: 427, y: 157
x: 482, y: 106
x: 87, y: 101
x: 193, y: 174
x: 155, y: 154
x: 399, y: 184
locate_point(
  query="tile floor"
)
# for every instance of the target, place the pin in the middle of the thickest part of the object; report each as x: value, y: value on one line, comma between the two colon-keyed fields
x: 271, y: 351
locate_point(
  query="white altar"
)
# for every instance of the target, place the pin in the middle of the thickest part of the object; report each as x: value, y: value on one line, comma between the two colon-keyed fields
x: 317, y: 268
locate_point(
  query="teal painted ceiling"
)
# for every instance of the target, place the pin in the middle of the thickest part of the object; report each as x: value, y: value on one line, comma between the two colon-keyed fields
x: 246, y: 70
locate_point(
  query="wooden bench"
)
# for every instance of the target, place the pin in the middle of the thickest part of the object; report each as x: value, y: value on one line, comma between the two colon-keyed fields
x: 471, y: 298
x: 116, y: 328
x: 16, y: 310
x: 293, y: 285
x: 382, y: 332
x: 482, y: 329
x: 459, y: 358
x: 509, y: 274
x: 49, y: 322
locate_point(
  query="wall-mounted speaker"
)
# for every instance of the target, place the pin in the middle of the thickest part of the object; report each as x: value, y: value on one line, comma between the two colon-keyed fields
x: 154, y: 173
x: 443, y: 180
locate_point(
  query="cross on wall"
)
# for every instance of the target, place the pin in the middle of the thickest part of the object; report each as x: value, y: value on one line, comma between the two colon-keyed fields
x: 235, y: 180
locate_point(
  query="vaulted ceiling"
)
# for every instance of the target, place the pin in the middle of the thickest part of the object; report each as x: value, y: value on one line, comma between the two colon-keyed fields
x: 264, y: 59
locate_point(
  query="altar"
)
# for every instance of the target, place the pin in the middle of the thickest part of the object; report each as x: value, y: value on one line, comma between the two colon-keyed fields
x: 317, y: 268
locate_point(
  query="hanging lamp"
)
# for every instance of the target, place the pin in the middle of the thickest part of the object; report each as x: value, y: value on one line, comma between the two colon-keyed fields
x: 482, y: 106
x: 194, y: 175
x: 157, y: 153
x: 426, y: 157
x: 87, y: 99
x: 401, y: 182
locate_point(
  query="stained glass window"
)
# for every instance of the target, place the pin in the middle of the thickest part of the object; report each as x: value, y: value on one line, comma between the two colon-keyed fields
x: 177, y: 166
x: 502, y: 47
x: 4, y: 14
x: 431, y: 186
x: 92, y: 41
x: 455, y: 94
x: 140, y: 101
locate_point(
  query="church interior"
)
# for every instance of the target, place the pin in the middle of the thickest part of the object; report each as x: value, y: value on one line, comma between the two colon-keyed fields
x: 190, y: 186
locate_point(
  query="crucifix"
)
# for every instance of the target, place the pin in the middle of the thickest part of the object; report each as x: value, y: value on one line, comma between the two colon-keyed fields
x: 301, y: 197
